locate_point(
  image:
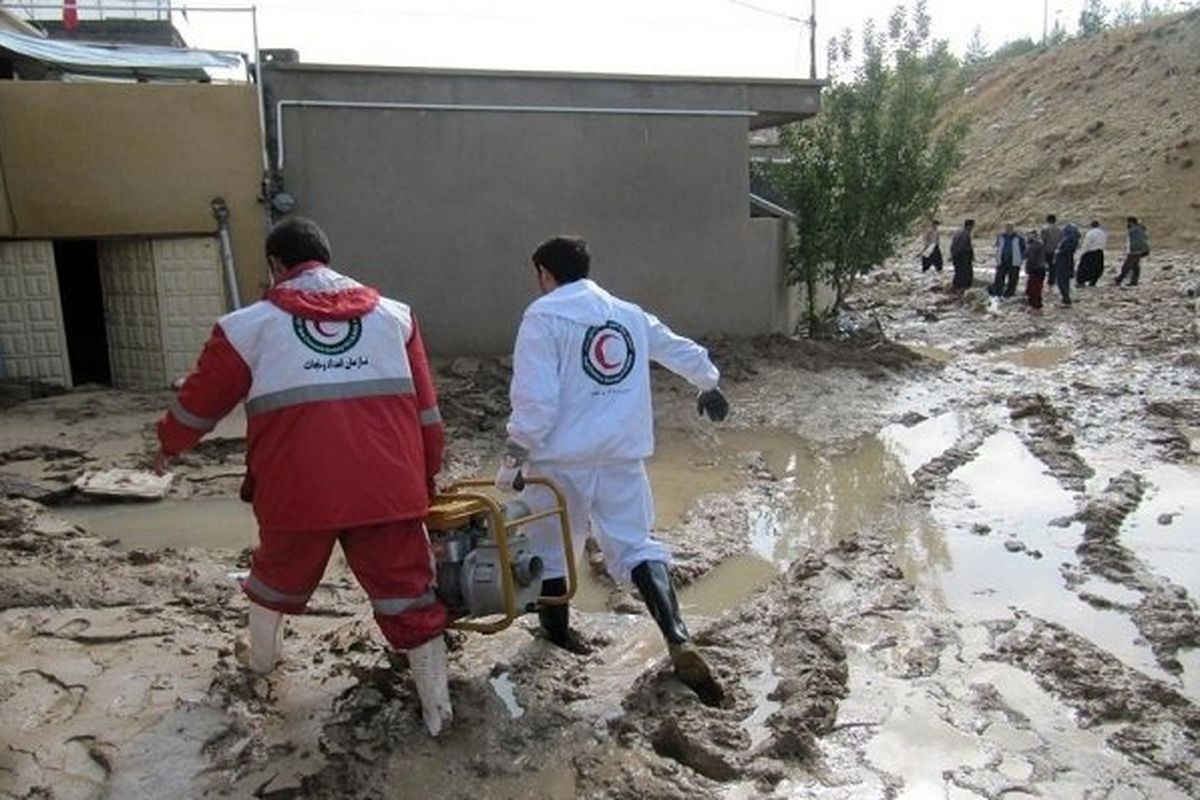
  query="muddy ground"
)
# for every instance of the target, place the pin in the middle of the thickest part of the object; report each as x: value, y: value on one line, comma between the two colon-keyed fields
x: 958, y: 562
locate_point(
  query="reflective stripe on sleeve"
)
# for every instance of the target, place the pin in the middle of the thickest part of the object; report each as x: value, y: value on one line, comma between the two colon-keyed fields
x: 394, y: 606
x: 255, y: 586
x: 327, y: 391
x: 431, y: 416
x: 190, y: 420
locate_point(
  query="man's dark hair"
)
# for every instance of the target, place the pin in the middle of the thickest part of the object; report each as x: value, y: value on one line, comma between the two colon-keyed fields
x: 1131, y: 221
x: 1095, y: 224
x: 295, y: 240
x: 564, y: 257
x: 970, y: 223
x: 1051, y: 219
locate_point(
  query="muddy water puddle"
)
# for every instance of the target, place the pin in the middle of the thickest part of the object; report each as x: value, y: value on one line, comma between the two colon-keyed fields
x: 1005, y: 554
x: 932, y: 353
x: 208, y: 522
x: 1036, y: 356
x: 917, y: 445
x: 1163, y: 528
x: 987, y: 546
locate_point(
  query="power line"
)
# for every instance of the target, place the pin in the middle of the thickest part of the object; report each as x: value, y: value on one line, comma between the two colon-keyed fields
x: 767, y: 11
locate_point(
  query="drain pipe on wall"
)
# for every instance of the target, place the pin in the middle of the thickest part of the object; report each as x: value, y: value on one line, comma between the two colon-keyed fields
x: 221, y: 212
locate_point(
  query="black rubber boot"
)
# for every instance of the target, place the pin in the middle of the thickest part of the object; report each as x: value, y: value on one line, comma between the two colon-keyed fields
x: 653, y: 580
x: 555, y: 620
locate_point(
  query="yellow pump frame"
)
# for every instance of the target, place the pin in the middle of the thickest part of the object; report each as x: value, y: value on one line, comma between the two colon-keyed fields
x: 455, y: 505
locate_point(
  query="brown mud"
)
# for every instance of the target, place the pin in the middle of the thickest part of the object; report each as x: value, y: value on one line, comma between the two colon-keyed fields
x: 954, y: 561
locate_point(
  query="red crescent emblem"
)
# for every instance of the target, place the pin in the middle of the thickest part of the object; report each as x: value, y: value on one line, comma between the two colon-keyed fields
x: 317, y: 327
x: 598, y: 351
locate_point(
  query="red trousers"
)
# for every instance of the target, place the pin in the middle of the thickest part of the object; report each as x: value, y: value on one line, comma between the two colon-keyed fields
x: 1033, y: 287
x: 391, y: 561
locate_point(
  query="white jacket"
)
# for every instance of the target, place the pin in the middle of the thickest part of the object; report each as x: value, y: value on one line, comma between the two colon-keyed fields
x: 581, y: 376
x: 1094, y: 239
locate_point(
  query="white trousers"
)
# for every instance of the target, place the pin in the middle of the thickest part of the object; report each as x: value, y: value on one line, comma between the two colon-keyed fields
x: 612, y: 501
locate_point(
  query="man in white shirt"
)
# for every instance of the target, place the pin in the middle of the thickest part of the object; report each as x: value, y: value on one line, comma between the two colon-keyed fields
x: 1091, y: 263
x: 582, y: 417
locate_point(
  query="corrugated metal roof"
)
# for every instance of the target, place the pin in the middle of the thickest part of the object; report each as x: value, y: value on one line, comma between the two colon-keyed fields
x: 118, y: 59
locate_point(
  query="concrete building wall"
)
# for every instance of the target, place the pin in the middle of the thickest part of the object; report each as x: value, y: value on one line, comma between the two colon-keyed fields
x: 100, y: 160
x: 442, y: 208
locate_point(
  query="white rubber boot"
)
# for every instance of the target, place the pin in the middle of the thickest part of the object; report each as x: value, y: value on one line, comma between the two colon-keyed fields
x: 266, y: 639
x: 428, y: 666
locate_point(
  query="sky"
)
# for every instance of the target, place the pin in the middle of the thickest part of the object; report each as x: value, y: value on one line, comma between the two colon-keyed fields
x: 750, y: 38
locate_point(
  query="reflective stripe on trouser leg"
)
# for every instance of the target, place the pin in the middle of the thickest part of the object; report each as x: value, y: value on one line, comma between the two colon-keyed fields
x: 269, y: 597
x: 286, y: 568
x: 623, y: 514
x: 394, y: 606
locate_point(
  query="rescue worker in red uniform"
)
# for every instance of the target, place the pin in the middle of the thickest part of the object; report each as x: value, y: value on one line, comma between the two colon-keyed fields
x: 343, y: 442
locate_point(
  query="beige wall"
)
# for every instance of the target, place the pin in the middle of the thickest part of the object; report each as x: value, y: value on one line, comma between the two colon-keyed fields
x: 97, y: 160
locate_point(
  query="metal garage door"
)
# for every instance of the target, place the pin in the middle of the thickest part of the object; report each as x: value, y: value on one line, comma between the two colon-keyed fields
x: 190, y: 298
x: 32, y: 340
x: 161, y: 297
x: 131, y: 318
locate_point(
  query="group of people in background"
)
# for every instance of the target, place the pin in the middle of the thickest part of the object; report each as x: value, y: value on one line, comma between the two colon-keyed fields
x: 1046, y: 254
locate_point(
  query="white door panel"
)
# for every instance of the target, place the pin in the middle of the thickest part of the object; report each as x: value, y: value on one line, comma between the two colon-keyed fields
x: 131, y: 314
x: 190, y: 295
x: 33, y: 341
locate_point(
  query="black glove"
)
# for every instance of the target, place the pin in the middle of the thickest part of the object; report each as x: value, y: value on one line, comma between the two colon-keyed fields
x: 712, y: 403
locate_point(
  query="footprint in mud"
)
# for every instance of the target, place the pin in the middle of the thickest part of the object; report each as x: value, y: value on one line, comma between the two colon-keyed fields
x: 71, y: 628
x: 45, y: 699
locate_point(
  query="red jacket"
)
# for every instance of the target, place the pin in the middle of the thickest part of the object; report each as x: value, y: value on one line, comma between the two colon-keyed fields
x: 342, y: 420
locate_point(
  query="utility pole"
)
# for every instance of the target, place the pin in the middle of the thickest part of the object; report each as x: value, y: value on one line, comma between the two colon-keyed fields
x: 812, y: 42
x: 1045, y: 20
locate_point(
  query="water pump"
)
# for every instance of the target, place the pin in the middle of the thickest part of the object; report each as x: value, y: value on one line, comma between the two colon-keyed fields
x: 487, y: 572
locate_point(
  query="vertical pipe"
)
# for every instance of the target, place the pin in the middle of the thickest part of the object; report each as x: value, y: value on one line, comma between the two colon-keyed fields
x: 221, y: 212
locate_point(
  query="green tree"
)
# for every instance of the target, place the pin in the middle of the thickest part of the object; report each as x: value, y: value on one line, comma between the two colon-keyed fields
x: 977, y: 51
x: 1124, y: 15
x: 872, y: 163
x: 1017, y: 47
x: 1091, y: 18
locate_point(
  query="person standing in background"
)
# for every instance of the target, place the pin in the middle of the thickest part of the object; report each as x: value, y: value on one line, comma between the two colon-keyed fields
x: 1091, y: 262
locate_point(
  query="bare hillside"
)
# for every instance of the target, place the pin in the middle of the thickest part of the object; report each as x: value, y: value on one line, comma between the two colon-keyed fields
x: 1100, y: 128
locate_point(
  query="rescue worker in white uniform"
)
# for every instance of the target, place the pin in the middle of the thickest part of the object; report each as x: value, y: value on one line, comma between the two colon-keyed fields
x: 582, y: 417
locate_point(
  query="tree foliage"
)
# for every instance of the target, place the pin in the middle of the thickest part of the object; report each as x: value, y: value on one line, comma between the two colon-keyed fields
x: 1092, y: 18
x: 977, y: 50
x: 1014, y: 48
x: 874, y: 160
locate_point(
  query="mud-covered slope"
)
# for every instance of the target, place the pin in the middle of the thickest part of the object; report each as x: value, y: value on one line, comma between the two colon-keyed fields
x: 1103, y: 127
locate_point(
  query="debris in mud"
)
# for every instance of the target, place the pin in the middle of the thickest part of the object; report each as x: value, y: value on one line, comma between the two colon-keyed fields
x: 133, y: 483
x: 870, y: 353
x: 44, y: 492
x: 14, y: 391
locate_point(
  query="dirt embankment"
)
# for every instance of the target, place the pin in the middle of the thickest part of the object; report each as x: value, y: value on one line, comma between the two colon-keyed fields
x: 1098, y: 128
